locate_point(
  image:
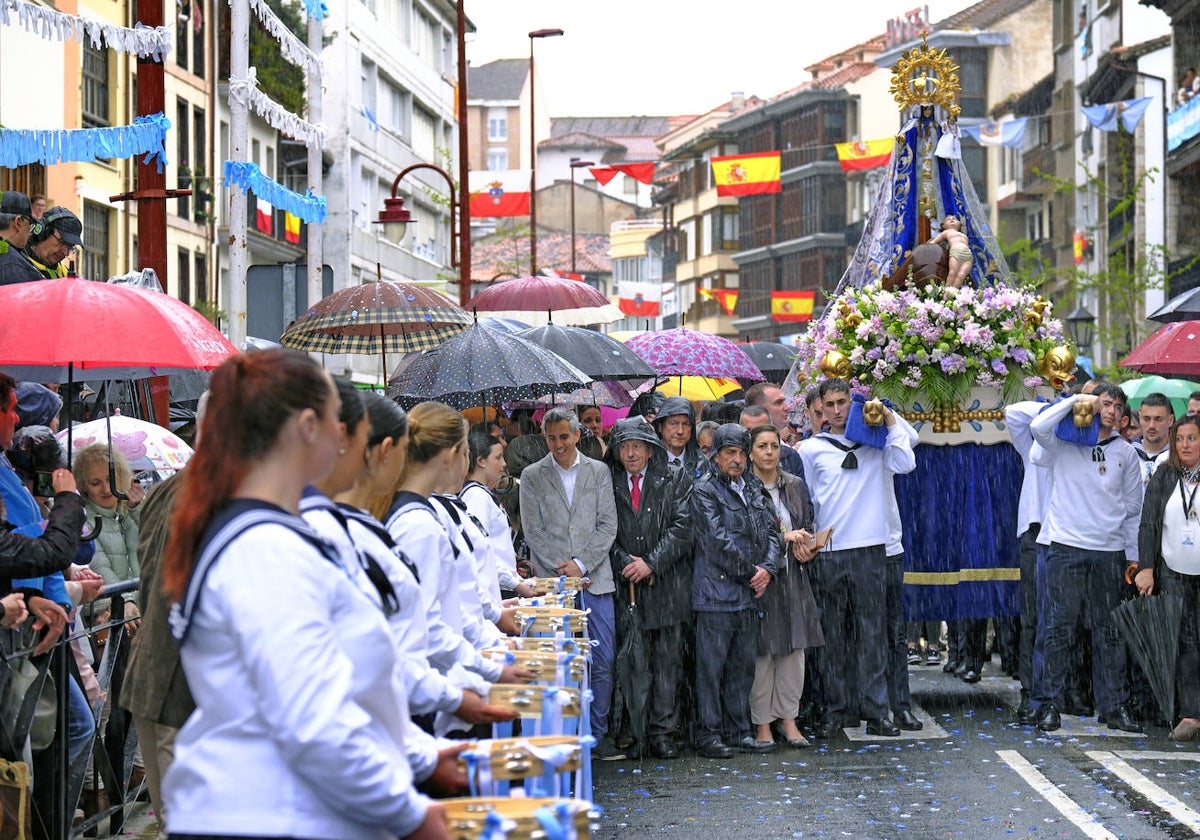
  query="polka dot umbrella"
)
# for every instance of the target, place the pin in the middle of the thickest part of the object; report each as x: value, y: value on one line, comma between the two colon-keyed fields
x: 479, y: 366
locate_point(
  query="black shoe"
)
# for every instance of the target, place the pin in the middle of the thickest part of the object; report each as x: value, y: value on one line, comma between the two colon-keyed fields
x: 1026, y: 714
x: 1121, y: 719
x: 950, y: 667
x: 961, y: 669
x: 850, y: 721
x: 882, y: 727
x: 1049, y: 720
x: 749, y: 745
x: 932, y: 657
x: 907, y: 721
x: 714, y: 749
x: 971, y: 676
x: 607, y: 750
x: 1076, y: 704
x: 663, y: 748
x: 824, y: 729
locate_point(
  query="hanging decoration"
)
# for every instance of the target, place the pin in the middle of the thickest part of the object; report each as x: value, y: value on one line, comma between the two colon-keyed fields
x: 143, y: 41
x: 247, y: 177
x: 246, y: 92
x: 316, y: 9
x: 147, y: 136
x: 291, y: 47
x: 1126, y: 113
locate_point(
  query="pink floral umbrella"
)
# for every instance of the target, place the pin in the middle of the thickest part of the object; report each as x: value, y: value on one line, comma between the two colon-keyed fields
x: 684, y: 352
x: 145, y: 445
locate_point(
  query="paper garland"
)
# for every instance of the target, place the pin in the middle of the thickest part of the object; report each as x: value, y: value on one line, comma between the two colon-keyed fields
x: 49, y: 24
x: 246, y: 93
x: 248, y: 177
x: 292, y: 48
x: 316, y: 9
x: 146, y: 136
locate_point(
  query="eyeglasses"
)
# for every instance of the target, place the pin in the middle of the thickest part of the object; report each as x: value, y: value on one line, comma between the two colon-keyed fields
x: 61, y: 241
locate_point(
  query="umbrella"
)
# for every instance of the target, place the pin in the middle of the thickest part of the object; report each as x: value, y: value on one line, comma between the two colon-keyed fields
x: 103, y: 331
x: 146, y: 446
x: 1182, y: 307
x: 482, y: 362
x: 1150, y: 626
x: 534, y: 299
x: 507, y: 325
x: 1173, y: 349
x: 698, y: 387
x: 684, y: 352
x: 379, y: 317
x: 631, y: 666
x: 1176, y: 390
x: 774, y: 360
x: 597, y: 355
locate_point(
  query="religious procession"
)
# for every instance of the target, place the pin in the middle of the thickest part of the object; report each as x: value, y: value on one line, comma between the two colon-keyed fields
x: 322, y: 556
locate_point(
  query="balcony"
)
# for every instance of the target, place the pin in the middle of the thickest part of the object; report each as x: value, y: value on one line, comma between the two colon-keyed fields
x: 1183, y: 123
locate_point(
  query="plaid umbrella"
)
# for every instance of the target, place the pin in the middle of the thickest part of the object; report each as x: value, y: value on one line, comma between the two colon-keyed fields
x: 482, y: 364
x: 380, y: 317
x: 684, y: 352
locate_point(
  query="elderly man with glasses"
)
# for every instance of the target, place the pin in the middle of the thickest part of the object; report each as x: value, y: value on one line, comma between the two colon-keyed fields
x: 51, y: 240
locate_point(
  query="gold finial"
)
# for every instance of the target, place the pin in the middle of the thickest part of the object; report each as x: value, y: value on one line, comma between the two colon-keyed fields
x: 926, y: 76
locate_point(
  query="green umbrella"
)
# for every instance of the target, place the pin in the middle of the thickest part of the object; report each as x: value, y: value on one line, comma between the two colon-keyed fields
x: 1176, y: 390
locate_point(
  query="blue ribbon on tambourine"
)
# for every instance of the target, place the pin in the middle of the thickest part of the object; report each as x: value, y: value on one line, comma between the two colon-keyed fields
x: 857, y: 429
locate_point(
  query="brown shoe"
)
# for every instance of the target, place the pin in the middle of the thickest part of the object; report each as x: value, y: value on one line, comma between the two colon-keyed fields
x: 1187, y: 729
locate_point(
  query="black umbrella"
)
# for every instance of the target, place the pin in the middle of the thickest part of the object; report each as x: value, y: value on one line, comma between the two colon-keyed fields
x: 481, y: 363
x: 1150, y: 626
x: 632, y: 669
x: 774, y: 360
x: 1182, y: 307
x: 600, y: 357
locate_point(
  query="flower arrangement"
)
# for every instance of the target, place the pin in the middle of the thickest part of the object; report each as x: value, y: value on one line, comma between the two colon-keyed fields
x: 933, y: 344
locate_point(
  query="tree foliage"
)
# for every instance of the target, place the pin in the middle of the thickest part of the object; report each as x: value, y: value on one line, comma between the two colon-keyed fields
x: 277, y: 77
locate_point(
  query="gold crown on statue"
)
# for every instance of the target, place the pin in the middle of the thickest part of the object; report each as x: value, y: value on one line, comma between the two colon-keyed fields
x: 926, y: 76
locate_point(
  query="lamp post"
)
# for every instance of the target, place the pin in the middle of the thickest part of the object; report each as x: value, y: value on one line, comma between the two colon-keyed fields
x: 395, y: 218
x: 537, y: 33
x: 576, y: 163
x: 1081, y: 324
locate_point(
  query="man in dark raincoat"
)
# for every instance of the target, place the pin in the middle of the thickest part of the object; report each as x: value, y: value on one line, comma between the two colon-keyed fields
x: 653, y: 551
x: 676, y: 427
x: 736, y: 557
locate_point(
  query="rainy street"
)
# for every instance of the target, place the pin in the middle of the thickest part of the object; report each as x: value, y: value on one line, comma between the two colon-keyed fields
x: 970, y: 773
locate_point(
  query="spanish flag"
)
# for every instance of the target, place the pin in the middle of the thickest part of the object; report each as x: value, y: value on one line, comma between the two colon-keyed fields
x: 726, y: 297
x: 792, y: 306
x: 753, y: 174
x: 865, y: 154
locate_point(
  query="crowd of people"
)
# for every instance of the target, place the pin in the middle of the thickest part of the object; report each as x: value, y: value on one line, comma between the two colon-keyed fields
x: 763, y: 558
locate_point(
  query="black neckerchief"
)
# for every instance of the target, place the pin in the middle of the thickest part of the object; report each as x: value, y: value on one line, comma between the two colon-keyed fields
x: 850, y: 462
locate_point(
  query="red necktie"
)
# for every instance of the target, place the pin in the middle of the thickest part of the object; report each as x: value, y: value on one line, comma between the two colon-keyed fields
x: 635, y: 493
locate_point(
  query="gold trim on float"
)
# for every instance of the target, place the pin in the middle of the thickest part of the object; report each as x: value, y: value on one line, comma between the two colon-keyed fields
x: 961, y: 576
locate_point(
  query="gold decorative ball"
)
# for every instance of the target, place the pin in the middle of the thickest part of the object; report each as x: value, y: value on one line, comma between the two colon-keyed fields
x: 835, y: 365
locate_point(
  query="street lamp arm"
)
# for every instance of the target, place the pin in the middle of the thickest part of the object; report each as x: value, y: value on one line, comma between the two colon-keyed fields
x: 454, y: 234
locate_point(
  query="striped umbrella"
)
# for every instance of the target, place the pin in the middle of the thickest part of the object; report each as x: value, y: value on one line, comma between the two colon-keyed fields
x: 379, y: 317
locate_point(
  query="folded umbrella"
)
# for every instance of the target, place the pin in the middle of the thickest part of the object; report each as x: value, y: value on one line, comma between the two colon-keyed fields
x: 1150, y: 627
x: 632, y: 668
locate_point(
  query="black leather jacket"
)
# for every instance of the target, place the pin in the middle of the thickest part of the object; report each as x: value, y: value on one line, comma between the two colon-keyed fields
x: 732, y: 538
x: 53, y: 551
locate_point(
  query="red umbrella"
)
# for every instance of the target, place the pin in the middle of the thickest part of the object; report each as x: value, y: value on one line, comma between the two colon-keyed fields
x: 1173, y: 349
x: 535, y: 300
x: 106, y: 330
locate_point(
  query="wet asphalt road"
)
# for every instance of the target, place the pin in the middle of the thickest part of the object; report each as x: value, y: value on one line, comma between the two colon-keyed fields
x: 971, y: 773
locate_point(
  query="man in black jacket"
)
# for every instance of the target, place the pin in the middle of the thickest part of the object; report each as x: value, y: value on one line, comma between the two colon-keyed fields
x: 737, y: 551
x: 652, y: 555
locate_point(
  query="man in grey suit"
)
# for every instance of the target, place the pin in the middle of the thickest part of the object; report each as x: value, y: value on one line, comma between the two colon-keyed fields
x: 570, y: 521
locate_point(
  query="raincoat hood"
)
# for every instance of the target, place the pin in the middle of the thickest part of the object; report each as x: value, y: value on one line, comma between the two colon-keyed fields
x: 674, y: 407
x: 651, y: 401
x: 730, y: 434
x: 633, y: 428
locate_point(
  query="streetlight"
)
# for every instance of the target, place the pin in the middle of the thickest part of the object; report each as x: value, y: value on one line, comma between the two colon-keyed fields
x: 537, y: 33
x: 1081, y: 325
x: 395, y: 218
x: 576, y: 163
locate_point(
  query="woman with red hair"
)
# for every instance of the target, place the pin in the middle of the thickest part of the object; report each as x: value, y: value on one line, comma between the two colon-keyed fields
x: 297, y: 731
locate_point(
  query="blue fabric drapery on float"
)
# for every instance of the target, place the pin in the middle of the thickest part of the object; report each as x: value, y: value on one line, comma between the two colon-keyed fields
x: 959, y: 507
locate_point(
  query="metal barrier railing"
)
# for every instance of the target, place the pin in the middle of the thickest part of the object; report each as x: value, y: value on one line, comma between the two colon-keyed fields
x: 58, y: 784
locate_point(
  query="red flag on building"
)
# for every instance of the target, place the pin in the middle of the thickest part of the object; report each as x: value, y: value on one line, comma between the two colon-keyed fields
x: 754, y: 174
x: 291, y: 228
x: 499, y: 193
x: 792, y: 306
x: 727, y: 298
x: 603, y: 174
x: 639, y: 299
x: 865, y: 154
x: 643, y: 172
x: 264, y: 216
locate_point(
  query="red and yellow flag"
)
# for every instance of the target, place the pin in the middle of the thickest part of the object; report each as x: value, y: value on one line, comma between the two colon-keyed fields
x: 726, y: 297
x: 792, y: 306
x: 865, y: 154
x: 752, y: 174
x: 291, y: 228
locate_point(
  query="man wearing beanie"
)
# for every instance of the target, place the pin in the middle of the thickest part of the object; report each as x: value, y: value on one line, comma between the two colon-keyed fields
x: 737, y: 550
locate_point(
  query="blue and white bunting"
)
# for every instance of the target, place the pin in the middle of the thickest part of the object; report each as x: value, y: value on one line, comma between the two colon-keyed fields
x: 147, y: 136
x: 41, y: 20
x: 1010, y: 133
x: 247, y: 177
x: 1128, y: 112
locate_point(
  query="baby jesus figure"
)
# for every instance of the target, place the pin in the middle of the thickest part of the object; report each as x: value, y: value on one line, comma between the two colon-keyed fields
x: 960, y: 251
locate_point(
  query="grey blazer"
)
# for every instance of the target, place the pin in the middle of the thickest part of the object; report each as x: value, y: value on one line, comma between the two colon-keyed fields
x: 556, y: 532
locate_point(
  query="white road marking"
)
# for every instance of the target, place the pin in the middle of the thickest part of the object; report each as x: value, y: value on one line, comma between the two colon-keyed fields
x: 1061, y: 802
x: 1188, y: 817
x: 1153, y: 755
